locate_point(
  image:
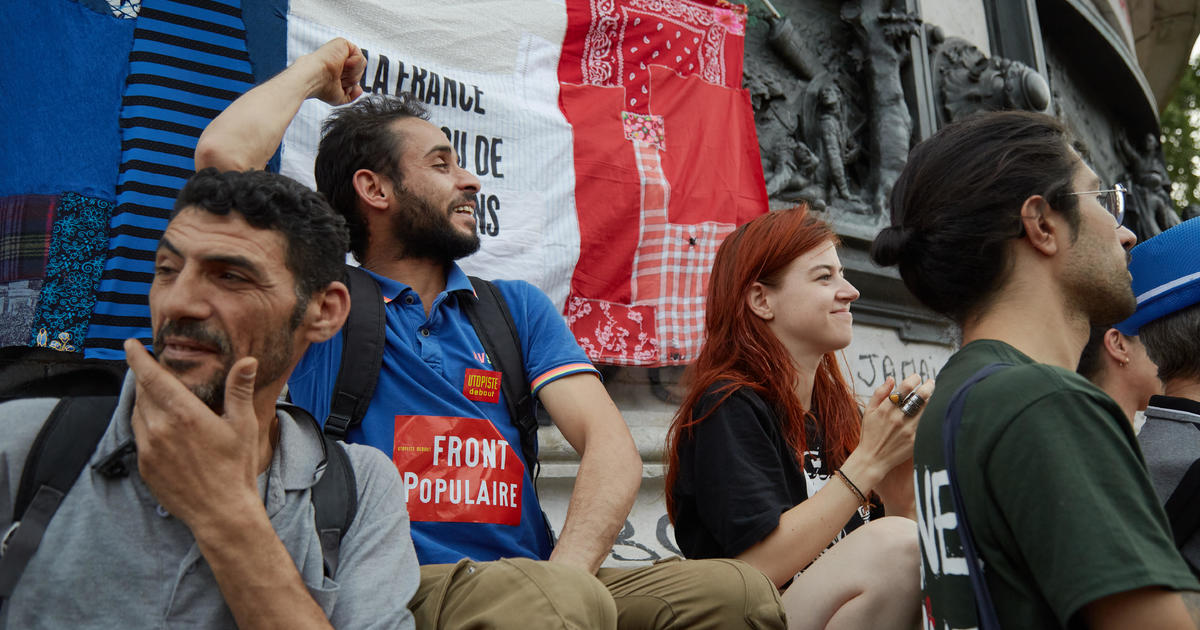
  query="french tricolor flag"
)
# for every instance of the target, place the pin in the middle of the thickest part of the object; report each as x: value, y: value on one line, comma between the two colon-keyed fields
x: 612, y: 138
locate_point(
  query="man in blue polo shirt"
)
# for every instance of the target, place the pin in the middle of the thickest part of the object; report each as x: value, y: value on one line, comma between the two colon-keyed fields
x: 437, y: 409
x: 469, y: 487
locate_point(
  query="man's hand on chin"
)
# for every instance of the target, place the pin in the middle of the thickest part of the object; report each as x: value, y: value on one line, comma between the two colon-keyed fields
x: 200, y: 466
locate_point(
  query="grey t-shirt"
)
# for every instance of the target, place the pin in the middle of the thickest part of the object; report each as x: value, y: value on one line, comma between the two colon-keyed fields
x: 113, y: 558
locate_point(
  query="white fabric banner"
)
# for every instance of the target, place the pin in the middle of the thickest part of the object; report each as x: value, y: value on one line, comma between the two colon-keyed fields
x: 488, y: 74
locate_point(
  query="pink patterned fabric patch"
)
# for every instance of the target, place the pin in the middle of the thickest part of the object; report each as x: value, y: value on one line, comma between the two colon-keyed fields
x: 732, y: 19
x: 645, y: 128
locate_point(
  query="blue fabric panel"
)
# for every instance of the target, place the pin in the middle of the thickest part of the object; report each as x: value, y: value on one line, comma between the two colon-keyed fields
x: 130, y: 222
x: 164, y: 159
x: 61, y: 101
x: 189, y: 123
x: 213, y: 55
x: 99, y: 6
x: 232, y: 83
x: 187, y: 63
x: 266, y: 41
x: 169, y: 29
x: 266, y: 37
x: 189, y: 93
x: 78, y: 245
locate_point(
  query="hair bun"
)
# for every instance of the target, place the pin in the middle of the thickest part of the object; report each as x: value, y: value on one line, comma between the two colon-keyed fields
x: 888, y: 247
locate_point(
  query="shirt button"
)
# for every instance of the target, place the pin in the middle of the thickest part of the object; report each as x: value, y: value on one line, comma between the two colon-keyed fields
x: 161, y: 511
x: 424, y: 332
x: 408, y: 299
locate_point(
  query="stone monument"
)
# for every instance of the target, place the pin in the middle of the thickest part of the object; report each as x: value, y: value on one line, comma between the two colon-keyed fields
x: 841, y: 91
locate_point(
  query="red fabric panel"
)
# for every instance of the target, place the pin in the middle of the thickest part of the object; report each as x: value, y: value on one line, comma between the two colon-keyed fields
x: 607, y: 193
x: 711, y: 156
x: 655, y: 194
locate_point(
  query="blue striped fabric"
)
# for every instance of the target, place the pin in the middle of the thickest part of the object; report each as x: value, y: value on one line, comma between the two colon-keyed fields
x: 188, y: 62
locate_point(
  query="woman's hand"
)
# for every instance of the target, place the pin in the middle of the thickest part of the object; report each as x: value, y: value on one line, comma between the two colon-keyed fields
x: 887, y: 434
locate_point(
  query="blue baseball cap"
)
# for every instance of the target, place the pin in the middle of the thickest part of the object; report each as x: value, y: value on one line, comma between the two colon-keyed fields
x: 1166, y: 275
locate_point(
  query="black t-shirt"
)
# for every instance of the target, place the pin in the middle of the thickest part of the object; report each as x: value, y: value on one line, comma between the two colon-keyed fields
x: 737, y: 475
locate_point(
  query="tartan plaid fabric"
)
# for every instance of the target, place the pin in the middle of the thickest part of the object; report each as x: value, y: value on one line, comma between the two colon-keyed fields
x: 25, y: 225
x: 664, y: 325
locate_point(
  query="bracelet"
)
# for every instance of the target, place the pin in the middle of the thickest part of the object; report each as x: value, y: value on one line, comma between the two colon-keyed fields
x: 862, y: 499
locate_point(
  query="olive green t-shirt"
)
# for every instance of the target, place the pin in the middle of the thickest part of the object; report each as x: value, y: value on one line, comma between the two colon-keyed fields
x: 1060, y: 504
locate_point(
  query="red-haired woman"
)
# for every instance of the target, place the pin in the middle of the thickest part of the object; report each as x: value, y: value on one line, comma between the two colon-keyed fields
x: 770, y: 458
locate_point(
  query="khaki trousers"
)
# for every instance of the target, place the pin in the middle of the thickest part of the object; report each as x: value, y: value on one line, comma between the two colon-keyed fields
x: 525, y: 594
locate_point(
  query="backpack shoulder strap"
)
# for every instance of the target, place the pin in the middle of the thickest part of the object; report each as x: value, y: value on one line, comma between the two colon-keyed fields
x: 61, y: 449
x: 985, y: 609
x: 363, y: 339
x: 494, y: 325
x: 335, y: 501
x: 334, y: 496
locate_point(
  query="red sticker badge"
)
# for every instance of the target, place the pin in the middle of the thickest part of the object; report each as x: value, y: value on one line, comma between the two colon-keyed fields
x: 482, y: 385
x: 459, y: 470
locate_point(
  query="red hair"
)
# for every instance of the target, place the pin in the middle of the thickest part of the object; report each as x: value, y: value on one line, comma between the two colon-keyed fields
x: 741, y: 351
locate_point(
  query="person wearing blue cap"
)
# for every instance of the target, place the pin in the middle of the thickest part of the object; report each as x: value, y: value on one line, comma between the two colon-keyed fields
x: 1166, y: 283
x: 1034, y: 507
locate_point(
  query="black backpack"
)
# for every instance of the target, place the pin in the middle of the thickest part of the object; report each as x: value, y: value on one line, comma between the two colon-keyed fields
x: 363, y: 341
x: 65, y: 444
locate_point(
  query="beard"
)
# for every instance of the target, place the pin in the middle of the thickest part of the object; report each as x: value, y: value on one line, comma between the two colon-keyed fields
x: 272, y: 364
x: 426, y: 232
x: 1104, y: 297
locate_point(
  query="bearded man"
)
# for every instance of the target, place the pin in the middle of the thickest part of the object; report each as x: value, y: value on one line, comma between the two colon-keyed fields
x: 1033, y: 503
x: 486, y: 558
x: 197, y: 506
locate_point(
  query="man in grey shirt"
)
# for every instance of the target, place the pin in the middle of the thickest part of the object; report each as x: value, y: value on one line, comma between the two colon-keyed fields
x: 1166, y: 282
x: 212, y: 526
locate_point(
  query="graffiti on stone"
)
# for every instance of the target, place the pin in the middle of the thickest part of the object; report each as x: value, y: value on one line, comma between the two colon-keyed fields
x: 625, y: 542
x: 627, y: 547
x: 872, y: 368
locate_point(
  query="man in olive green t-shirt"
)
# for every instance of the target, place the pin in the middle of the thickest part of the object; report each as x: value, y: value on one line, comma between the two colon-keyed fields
x: 1000, y: 225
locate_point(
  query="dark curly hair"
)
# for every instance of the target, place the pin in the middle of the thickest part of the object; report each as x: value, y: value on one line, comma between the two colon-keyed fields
x: 315, y: 235
x: 957, y: 204
x: 355, y: 137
